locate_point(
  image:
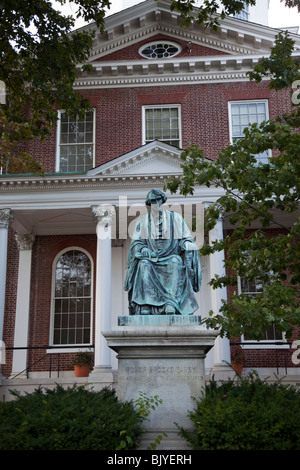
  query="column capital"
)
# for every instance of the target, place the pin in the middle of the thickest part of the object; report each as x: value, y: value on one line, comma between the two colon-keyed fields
x: 25, y: 242
x: 104, y: 213
x: 6, y: 217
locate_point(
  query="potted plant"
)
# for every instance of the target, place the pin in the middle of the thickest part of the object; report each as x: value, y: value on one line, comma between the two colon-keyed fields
x: 237, y: 359
x: 82, y: 363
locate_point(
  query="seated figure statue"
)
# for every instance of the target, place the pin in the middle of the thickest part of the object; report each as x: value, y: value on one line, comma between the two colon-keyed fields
x: 163, y: 263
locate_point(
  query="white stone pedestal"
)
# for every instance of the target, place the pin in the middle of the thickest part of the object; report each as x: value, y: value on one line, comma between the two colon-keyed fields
x: 164, y: 360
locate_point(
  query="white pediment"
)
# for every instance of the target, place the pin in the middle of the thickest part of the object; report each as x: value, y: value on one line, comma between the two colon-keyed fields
x: 140, y: 21
x: 155, y: 158
x: 239, y: 45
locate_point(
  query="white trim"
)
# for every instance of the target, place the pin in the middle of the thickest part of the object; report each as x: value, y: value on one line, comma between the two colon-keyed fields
x: 56, y: 347
x: 58, y: 127
x: 64, y: 350
x: 270, y: 345
x: 160, y: 106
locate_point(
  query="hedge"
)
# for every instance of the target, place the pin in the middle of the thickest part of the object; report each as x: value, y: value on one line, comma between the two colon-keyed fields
x: 68, y: 419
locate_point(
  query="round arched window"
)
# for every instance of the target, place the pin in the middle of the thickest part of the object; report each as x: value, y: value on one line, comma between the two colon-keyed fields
x: 159, y: 50
x: 72, y: 301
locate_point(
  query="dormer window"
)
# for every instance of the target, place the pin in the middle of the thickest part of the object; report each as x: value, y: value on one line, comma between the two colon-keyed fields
x: 159, y: 50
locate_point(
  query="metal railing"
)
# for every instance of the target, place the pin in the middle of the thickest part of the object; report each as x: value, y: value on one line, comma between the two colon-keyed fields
x: 57, y: 354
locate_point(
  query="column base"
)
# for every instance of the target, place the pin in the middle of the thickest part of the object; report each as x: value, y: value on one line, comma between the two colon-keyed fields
x: 102, y: 376
x: 21, y: 375
x: 222, y: 371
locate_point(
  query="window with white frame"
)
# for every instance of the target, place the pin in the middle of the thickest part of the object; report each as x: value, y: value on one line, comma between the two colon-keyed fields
x: 244, y: 113
x: 72, y: 298
x: 76, y: 146
x: 162, y: 123
x: 252, y: 288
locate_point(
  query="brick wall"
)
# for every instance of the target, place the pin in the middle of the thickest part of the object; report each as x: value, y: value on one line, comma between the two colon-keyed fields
x: 45, y: 249
x: 44, y: 252
x: 204, y: 110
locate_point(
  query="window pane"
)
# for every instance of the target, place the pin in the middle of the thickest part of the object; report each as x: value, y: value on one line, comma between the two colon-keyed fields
x: 252, y: 288
x: 72, y: 298
x: 76, y: 143
x: 162, y: 124
x: 245, y: 114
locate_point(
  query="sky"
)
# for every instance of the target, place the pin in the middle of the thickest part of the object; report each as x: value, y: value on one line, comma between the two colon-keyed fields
x: 279, y: 14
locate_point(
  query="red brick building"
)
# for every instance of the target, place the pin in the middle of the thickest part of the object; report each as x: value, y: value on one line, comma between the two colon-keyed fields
x: 154, y: 87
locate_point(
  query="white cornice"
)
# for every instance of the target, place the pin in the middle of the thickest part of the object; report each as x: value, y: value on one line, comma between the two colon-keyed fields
x: 184, y: 70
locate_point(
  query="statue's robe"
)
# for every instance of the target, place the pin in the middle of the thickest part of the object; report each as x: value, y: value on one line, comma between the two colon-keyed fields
x: 170, y: 277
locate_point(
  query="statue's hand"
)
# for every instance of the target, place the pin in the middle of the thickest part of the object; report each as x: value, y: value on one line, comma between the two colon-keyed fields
x: 145, y: 253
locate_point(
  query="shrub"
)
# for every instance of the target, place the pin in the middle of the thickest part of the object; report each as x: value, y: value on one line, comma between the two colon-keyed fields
x: 250, y: 414
x: 68, y: 419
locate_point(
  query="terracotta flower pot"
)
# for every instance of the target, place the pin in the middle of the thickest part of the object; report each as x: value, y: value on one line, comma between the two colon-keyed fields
x: 82, y: 371
x: 237, y: 367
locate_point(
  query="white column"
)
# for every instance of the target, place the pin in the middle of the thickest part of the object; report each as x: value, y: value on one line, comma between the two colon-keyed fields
x: 216, y: 262
x: 104, y: 215
x: 25, y: 243
x: 5, y: 219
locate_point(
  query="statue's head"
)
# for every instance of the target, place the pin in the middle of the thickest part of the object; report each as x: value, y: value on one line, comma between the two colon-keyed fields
x: 154, y: 196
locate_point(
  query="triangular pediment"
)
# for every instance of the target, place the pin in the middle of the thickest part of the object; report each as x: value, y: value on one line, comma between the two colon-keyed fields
x: 152, y: 17
x: 155, y: 158
x: 206, y: 55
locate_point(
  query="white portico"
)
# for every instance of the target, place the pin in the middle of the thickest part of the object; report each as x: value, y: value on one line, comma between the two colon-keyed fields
x: 105, y: 201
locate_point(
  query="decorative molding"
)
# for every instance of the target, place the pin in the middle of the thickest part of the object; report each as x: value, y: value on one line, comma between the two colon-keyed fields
x: 165, y: 80
x: 25, y: 242
x: 21, y: 184
x: 6, y: 218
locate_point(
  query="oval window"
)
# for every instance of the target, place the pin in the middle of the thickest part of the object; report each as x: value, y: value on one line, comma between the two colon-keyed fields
x: 159, y: 50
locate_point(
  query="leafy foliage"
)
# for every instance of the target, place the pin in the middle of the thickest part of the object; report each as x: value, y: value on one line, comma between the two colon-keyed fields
x: 68, y: 419
x: 250, y: 414
x: 256, y: 194
x: 39, y: 55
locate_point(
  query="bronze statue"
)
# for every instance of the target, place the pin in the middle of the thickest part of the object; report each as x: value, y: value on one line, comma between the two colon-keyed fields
x: 163, y: 263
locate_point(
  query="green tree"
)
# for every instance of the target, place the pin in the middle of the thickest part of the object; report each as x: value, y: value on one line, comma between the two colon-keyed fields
x: 39, y: 53
x: 256, y: 194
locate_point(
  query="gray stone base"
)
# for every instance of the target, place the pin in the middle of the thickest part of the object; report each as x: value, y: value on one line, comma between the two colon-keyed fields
x: 167, y: 361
